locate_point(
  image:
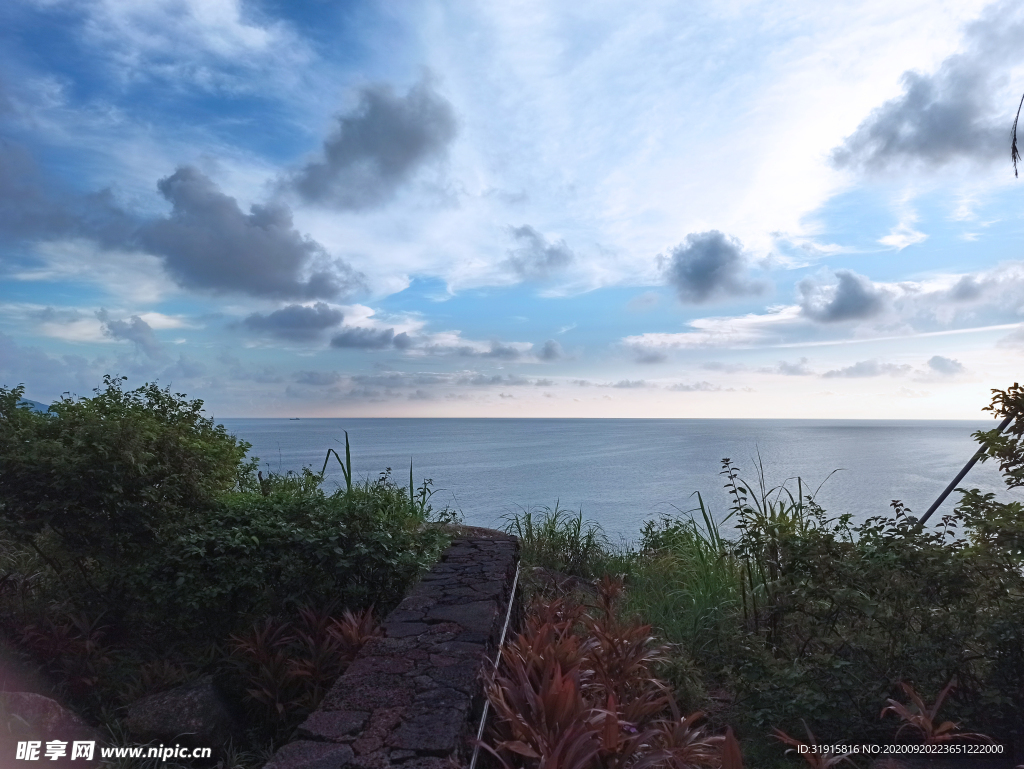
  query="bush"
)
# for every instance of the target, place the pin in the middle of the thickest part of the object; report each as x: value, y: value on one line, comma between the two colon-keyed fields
x: 256, y: 555
x: 95, y: 484
x: 836, y: 617
x: 808, y: 617
x: 136, y: 540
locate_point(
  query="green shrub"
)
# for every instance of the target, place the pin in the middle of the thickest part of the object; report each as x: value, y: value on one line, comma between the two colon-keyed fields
x: 95, y: 484
x: 257, y: 555
x: 803, y: 616
x: 836, y: 616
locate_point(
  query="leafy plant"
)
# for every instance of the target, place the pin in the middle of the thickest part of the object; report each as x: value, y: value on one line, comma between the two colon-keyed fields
x: 810, y: 751
x: 107, y: 476
x: 552, y: 538
x: 588, y: 697
x: 921, y: 719
x: 286, y: 666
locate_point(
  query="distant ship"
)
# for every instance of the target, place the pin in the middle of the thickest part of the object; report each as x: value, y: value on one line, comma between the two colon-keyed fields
x: 293, y: 419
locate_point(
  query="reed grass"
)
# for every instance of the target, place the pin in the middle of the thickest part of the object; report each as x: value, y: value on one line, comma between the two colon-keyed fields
x: 555, y: 539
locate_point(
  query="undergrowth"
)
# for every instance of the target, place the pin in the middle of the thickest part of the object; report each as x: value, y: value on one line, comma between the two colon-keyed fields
x: 140, y: 549
x: 797, y: 622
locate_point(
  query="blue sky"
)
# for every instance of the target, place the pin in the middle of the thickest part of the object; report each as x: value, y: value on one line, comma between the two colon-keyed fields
x: 521, y: 209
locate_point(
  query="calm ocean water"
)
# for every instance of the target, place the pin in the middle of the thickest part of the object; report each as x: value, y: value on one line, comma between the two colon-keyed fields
x: 624, y: 471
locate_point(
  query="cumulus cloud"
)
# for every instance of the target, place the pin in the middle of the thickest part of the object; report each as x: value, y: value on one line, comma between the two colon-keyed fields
x: 378, y: 147
x: 643, y: 354
x: 453, y: 344
x: 551, y: 350
x: 207, y: 242
x: 364, y: 338
x: 135, y: 330
x: 499, y: 350
x: 482, y: 380
x: 391, y: 379
x: 630, y: 384
x: 535, y: 258
x: 296, y: 322
x: 707, y: 266
x: 966, y: 289
x: 950, y: 113
x: 945, y: 366
x: 853, y: 297
x: 868, y: 368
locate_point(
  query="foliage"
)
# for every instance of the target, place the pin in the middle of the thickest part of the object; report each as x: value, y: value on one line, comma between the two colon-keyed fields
x: 286, y: 665
x: 259, y: 555
x: 921, y: 719
x: 584, y: 699
x: 107, y: 476
x: 688, y: 585
x: 138, y: 546
x: 802, y: 616
x: 552, y: 538
x: 998, y: 527
x: 809, y: 750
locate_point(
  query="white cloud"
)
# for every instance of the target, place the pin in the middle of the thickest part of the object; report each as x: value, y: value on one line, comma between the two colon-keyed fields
x: 902, y: 235
x: 192, y: 40
x: 739, y: 331
x: 129, y: 277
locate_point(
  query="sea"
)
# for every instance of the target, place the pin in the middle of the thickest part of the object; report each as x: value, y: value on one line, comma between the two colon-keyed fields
x: 623, y: 472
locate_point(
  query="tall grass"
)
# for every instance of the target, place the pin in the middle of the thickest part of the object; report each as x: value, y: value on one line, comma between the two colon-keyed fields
x: 555, y: 539
x: 686, y: 581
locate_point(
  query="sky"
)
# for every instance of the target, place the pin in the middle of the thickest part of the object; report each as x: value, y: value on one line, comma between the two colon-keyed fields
x: 717, y: 208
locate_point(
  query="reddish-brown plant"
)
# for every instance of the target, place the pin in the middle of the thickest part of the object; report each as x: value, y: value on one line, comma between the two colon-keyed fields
x: 321, y: 655
x: 578, y: 688
x: 533, y: 713
x: 812, y: 754
x: 263, y: 658
x: 685, y: 741
x: 731, y: 756
x: 353, y: 630
x: 920, y: 718
x: 288, y: 666
x: 74, y: 650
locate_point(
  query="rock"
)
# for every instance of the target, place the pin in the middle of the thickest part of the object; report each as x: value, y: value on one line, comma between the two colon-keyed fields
x: 28, y: 717
x: 475, y: 614
x: 192, y: 714
x: 435, y: 732
x: 311, y: 755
